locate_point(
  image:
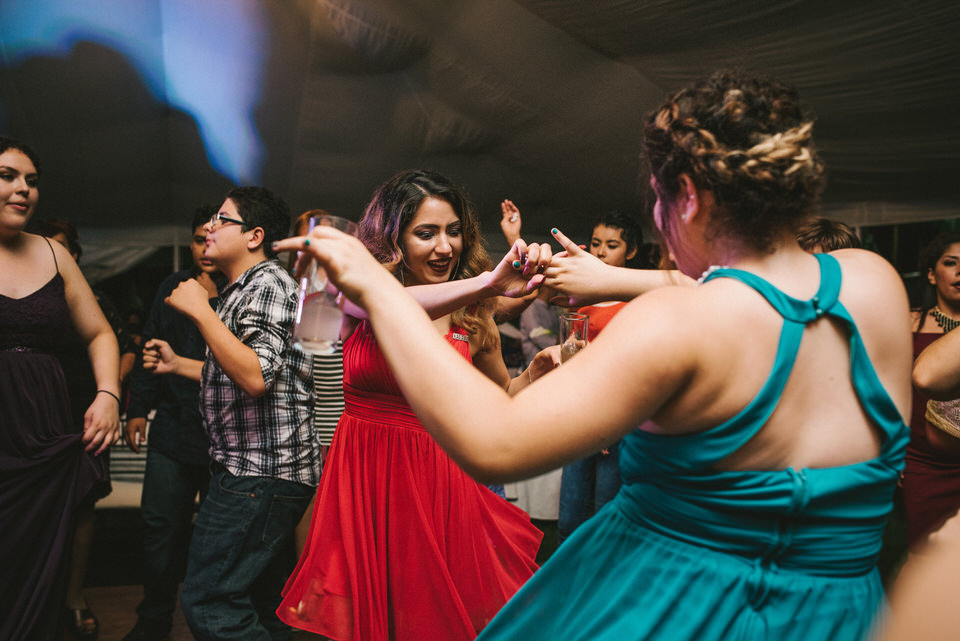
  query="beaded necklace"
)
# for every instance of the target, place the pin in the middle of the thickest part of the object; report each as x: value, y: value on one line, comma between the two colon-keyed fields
x: 945, y: 322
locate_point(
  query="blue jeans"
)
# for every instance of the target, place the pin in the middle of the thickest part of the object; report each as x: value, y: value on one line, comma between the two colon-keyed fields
x: 166, y: 507
x: 240, y: 556
x: 585, y: 487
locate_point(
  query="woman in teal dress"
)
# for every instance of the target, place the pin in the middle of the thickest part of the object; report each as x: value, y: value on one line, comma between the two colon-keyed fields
x: 761, y: 411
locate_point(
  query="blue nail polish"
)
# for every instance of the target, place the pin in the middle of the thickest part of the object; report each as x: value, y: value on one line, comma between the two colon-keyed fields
x: 516, y: 263
x: 306, y: 242
x: 554, y: 231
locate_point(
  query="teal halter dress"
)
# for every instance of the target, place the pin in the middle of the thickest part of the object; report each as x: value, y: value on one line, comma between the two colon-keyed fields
x: 688, y: 552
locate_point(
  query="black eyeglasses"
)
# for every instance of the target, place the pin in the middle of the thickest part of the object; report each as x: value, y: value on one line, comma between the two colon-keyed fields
x: 219, y: 218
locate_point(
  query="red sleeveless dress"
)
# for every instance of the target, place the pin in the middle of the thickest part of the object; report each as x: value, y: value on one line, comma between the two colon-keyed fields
x: 403, y: 545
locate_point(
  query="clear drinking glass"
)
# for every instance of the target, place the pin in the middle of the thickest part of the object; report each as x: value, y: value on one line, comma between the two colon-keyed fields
x: 319, y: 314
x: 573, y: 334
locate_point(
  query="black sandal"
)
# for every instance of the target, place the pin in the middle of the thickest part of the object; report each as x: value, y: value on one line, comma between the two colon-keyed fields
x: 82, y: 624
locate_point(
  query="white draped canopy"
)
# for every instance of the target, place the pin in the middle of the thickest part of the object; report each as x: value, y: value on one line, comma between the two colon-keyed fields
x: 142, y: 110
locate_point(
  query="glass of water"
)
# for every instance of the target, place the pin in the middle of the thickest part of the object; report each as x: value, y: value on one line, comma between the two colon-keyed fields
x: 319, y: 314
x: 573, y: 334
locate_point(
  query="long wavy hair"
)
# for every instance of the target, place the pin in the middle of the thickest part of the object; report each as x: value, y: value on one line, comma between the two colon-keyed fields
x: 393, y: 206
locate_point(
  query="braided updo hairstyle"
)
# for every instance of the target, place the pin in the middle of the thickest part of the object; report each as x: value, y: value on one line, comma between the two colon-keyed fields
x: 746, y: 140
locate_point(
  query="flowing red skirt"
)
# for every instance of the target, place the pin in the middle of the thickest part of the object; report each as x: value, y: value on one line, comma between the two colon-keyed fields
x: 403, y: 544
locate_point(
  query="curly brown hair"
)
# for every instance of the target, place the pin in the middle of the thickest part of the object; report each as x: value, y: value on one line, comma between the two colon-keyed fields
x: 746, y: 140
x: 393, y: 206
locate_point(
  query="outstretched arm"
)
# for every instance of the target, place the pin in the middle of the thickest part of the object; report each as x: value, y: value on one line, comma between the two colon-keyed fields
x: 583, y: 279
x: 492, y: 436
x: 511, y: 278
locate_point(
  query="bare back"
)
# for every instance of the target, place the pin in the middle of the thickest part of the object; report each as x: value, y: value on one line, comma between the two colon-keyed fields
x: 818, y: 421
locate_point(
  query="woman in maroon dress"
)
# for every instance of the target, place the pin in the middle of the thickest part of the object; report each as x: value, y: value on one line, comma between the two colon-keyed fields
x: 404, y: 545
x: 47, y: 468
x: 931, y: 479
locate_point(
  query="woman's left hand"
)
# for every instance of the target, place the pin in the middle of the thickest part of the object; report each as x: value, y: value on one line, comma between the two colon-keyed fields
x: 520, y: 271
x: 101, y: 423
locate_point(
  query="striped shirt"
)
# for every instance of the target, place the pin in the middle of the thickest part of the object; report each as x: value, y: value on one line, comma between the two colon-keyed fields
x: 270, y: 436
x: 328, y: 393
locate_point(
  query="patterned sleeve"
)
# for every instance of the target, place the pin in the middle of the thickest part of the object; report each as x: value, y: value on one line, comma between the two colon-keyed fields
x: 266, y: 323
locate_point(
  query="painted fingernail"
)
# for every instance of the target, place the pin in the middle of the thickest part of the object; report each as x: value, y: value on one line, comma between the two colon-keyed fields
x: 306, y: 242
x: 554, y: 231
x: 516, y: 263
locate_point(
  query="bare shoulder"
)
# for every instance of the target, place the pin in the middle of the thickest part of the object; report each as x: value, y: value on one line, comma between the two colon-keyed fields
x: 869, y: 279
x: 669, y: 315
x: 865, y: 263
x: 38, y: 253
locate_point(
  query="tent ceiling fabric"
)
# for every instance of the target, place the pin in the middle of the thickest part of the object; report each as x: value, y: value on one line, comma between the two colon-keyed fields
x: 540, y: 101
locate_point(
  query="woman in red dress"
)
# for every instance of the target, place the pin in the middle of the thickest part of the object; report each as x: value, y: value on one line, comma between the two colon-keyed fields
x: 404, y: 545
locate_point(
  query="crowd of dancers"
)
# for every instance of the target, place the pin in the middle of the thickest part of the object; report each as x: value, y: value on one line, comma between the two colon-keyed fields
x: 738, y: 430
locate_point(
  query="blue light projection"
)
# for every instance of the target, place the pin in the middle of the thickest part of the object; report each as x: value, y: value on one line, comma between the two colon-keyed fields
x: 205, y: 57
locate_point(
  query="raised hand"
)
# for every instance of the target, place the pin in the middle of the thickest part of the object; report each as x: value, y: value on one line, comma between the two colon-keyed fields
x: 189, y: 296
x: 349, y: 265
x: 510, y: 223
x: 574, y: 273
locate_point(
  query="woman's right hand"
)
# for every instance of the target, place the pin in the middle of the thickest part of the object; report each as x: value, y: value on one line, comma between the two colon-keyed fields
x: 348, y: 263
x: 574, y: 273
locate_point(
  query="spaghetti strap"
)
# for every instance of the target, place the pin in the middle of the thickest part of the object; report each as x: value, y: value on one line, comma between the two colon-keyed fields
x: 55, y: 263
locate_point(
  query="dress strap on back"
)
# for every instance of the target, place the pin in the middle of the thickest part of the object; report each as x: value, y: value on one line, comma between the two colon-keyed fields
x: 797, y: 314
x: 793, y: 309
x: 55, y: 264
x: 684, y: 453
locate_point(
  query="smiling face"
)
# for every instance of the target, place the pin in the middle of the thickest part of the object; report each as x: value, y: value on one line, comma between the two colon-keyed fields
x: 945, y: 277
x: 18, y: 190
x: 608, y: 245
x: 431, y: 243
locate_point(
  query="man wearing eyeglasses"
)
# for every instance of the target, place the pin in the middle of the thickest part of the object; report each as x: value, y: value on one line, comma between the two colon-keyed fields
x: 255, y: 399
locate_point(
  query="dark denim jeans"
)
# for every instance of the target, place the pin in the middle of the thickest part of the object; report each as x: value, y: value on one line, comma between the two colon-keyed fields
x: 240, y: 557
x: 166, y: 507
x: 585, y: 487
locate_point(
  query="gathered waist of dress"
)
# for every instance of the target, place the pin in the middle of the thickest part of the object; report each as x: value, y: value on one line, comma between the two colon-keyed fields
x: 26, y: 349
x: 785, y: 538
x: 22, y: 348
x: 378, y: 407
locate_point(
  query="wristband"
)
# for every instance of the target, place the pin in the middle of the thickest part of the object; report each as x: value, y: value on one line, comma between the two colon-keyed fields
x: 103, y: 391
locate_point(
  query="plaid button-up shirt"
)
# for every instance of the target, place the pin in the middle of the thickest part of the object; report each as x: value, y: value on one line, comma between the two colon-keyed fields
x: 270, y: 436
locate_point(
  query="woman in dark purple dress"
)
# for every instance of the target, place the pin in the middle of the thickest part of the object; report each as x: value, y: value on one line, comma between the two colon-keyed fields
x: 46, y: 466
